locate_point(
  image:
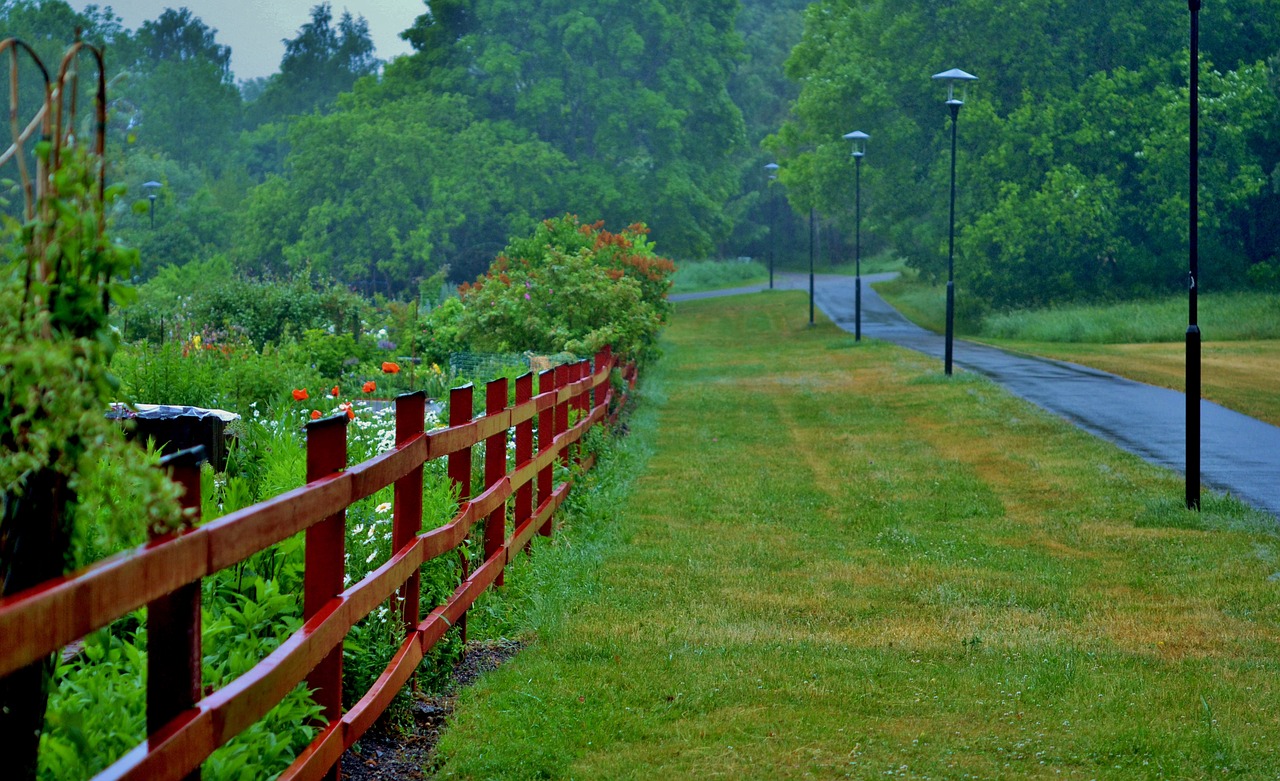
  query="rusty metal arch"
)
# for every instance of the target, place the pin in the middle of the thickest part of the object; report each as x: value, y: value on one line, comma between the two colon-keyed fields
x: 55, y: 120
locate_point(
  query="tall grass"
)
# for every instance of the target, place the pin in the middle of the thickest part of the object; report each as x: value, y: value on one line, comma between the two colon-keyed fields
x: 698, y: 275
x: 1224, y: 317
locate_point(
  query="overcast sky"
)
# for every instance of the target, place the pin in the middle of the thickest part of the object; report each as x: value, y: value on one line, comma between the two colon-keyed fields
x: 255, y: 29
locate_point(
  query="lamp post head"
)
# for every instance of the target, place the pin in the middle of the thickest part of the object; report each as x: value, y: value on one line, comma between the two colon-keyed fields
x: 772, y: 168
x: 951, y: 78
x: 859, y: 140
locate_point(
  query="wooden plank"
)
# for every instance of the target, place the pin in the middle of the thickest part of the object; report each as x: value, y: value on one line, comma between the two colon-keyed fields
x: 173, y: 621
x: 322, y: 754
x: 384, y: 469
x: 174, y: 753
x: 495, y: 465
x: 524, y: 409
x: 325, y: 565
x: 383, y: 691
x: 38, y: 621
x: 461, y: 408
x: 406, y: 518
x: 522, y: 478
x: 237, y: 536
x: 494, y: 423
x: 492, y: 498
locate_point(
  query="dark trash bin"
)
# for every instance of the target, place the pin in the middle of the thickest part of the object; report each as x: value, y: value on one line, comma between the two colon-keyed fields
x: 174, y: 428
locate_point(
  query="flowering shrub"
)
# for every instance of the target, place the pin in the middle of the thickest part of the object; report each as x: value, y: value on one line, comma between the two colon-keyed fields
x: 572, y: 288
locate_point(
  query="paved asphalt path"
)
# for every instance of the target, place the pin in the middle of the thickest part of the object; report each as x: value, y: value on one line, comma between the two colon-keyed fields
x: 1239, y: 454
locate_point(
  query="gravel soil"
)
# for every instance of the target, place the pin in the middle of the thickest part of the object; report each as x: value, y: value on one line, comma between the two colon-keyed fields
x: 384, y: 754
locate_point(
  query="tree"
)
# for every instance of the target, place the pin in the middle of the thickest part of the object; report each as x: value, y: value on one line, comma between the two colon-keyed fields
x: 379, y: 194
x: 318, y: 65
x: 186, y: 105
x: 634, y: 93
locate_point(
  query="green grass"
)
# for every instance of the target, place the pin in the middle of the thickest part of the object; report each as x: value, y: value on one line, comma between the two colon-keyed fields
x: 1226, y: 317
x: 875, y: 264
x: 838, y: 563
x: 698, y: 275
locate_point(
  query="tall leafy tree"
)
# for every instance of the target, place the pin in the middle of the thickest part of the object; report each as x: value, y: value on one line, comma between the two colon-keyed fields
x: 380, y: 193
x: 186, y: 105
x: 320, y: 63
x: 635, y: 93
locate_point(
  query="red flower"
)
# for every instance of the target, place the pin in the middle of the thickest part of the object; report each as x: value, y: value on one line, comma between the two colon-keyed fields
x: 315, y: 414
x: 300, y: 394
x: 346, y: 407
x: 370, y: 386
x: 334, y: 392
x: 390, y: 367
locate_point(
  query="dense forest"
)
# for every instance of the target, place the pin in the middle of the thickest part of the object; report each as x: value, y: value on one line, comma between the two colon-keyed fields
x: 380, y: 174
x: 1073, y: 151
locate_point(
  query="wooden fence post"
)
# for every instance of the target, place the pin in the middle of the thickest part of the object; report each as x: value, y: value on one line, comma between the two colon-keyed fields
x: 173, y: 621
x: 325, y: 561
x: 564, y: 375
x: 546, y: 435
x: 411, y: 412
x: 459, y: 467
x: 523, y: 506
x: 495, y: 468
x: 584, y: 398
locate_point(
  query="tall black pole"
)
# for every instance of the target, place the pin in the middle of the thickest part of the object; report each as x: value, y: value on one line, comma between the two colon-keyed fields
x: 951, y: 245
x: 773, y: 230
x: 811, y: 244
x: 152, y: 209
x: 857, y: 249
x: 1193, y: 327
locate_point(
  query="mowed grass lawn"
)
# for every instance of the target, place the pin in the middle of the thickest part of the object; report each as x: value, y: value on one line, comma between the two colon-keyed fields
x: 838, y: 563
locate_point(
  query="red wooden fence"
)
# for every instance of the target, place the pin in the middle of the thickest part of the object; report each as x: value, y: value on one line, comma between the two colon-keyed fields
x: 185, y: 727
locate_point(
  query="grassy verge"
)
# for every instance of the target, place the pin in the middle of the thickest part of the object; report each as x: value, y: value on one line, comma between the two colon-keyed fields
x: 876, y: 264
x: 840, y: 564
x: 1240, y: 365
x: 699, y: 275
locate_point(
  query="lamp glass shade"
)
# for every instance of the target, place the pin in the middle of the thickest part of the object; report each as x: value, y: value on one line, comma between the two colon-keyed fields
x: 951, y: 78
x: 859, y: 140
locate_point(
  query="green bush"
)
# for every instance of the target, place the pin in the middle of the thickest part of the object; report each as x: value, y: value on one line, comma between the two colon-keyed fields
x: 571, y: 288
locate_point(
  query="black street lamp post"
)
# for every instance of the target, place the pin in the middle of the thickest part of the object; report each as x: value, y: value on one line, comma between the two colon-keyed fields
x: 811, y: 245
x: 951, y: 78
x: 1193, y: 327
x: 152, y: 186
x: 772, y: 168
x: 859, y: 140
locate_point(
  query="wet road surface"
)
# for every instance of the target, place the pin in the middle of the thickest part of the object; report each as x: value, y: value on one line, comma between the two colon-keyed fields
x: 1239, y: 454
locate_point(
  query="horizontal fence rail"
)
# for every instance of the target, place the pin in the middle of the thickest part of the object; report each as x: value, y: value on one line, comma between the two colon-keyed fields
x: 185, y: 725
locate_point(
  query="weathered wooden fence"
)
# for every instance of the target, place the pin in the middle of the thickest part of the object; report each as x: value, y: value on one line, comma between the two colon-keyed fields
x: 186, y: 725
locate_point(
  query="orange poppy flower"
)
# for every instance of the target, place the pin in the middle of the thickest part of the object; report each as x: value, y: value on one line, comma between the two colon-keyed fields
x: 370, y: 386
x: 390, y: 367
x: 315, y: 414
x: 300, y: 394
x: 346, y: 407
x: 334, y: 392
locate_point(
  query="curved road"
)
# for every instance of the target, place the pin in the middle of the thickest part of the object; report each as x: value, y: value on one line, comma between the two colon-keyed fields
x: 1239, y: 454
